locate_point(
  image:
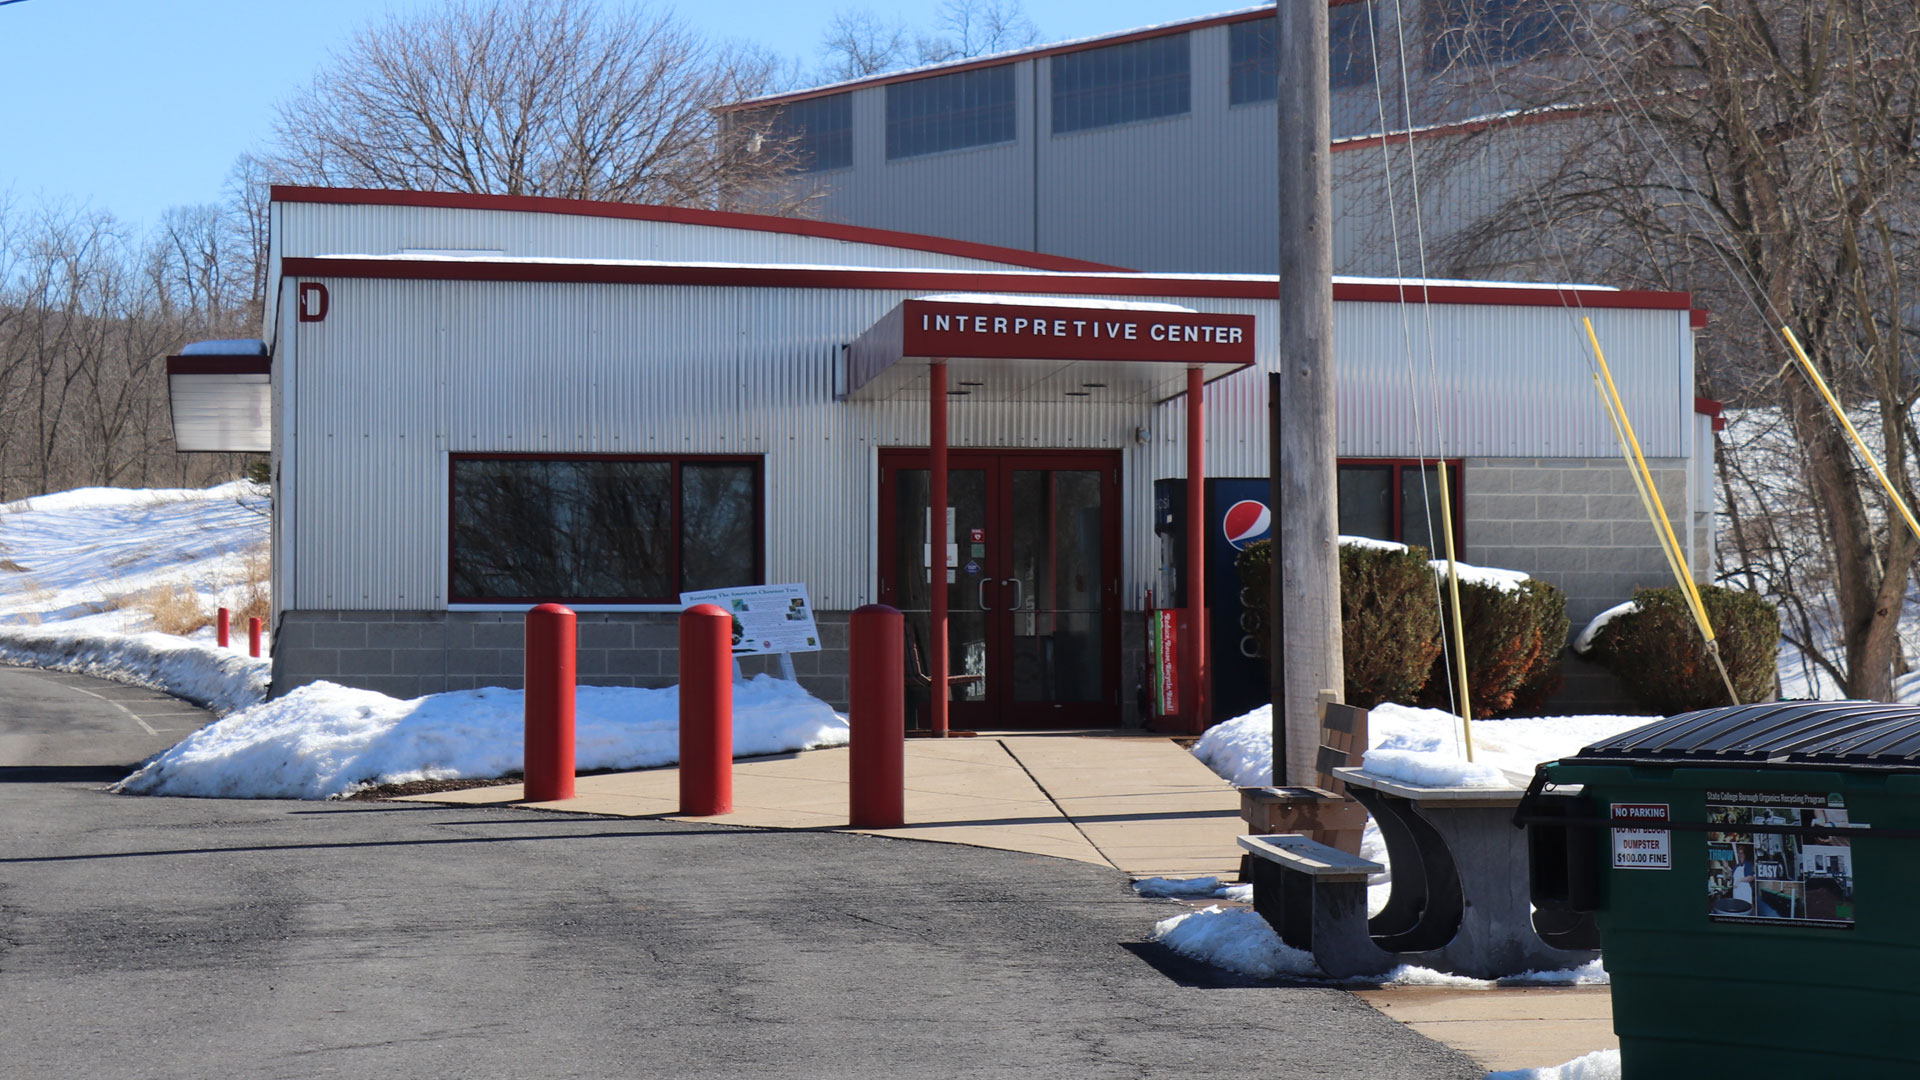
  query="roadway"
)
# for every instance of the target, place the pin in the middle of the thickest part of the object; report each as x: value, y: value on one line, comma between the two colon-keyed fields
x: 144, y: 937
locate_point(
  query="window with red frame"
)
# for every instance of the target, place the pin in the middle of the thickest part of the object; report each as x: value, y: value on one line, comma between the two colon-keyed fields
x: 601, y: 528
x: 1399, y: 501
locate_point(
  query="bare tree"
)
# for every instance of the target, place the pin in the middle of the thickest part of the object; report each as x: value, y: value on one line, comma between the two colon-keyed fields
x: 1762, y: 155
x: 529, y: 97
x: 859, y: 43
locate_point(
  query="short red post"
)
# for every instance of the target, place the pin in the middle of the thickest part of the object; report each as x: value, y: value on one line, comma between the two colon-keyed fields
x: 549, y: 705
x: 876, y: 649
x: 706, y: 711
x: 221, y: 621
x: 253, y: 636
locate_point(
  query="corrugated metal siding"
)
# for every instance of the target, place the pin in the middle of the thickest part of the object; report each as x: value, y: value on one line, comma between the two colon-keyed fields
x: 403, y: 372
x: 327, y: 229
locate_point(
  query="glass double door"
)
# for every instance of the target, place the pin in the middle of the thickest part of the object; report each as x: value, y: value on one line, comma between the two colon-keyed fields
x: 1033, y: 579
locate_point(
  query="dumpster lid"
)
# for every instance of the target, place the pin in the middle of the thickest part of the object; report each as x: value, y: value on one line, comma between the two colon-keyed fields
x: 1846, y: 734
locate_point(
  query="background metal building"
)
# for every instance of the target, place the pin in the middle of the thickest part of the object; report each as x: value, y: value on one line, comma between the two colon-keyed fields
x: 1154, y: 148
x: 464, y: 324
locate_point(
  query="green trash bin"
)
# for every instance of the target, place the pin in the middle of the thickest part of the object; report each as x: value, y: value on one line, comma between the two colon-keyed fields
x: 1755, y: 875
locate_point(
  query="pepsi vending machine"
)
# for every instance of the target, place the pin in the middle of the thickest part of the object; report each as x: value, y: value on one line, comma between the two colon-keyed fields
x: 1236, y: 515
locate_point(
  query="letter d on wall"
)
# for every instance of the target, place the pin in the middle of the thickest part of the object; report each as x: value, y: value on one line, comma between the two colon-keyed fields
x: 312, y: 301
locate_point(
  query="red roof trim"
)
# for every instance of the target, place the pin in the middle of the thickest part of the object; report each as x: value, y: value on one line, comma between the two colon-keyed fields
x: 219, y: 365
x: 1697, y: 318
x: 1706, y: 406
x: 1122, y: 284
x: 681, y: 215
x: 1087, y: 45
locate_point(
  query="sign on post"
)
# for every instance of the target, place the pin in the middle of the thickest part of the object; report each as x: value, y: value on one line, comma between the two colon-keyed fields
x: 1641, y: 840
x: 766, y: 618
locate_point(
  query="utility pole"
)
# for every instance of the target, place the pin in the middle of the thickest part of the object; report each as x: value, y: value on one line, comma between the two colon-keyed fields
x: 1306, y: 543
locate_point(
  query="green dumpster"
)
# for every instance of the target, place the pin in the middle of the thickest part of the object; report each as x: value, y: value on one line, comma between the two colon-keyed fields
x: 1755, y: 875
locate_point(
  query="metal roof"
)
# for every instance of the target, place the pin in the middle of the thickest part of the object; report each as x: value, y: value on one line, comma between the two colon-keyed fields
x: 1844, y: 734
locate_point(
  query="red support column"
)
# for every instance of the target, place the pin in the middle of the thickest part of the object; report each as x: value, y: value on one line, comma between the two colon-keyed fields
x: 548, y: 743
x: 937, y: 539
x: 1194, y: 706
x: 222, y: 622
x: 706, y: 711
x: 253, y: 636
x: 876, y: 713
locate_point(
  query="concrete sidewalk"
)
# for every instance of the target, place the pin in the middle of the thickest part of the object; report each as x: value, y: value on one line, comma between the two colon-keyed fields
x: 1139, y: 803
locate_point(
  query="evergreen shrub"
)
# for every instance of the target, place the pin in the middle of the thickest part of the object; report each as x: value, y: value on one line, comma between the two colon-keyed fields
x: 1390, y: 629
x: 1656, y: 653
x: 1514, y: 638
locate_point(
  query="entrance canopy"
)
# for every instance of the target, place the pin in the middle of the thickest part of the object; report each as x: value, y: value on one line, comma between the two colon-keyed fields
x: 1042, y: 349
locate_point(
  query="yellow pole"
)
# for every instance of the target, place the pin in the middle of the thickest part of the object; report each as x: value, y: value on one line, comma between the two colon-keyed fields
x: 1459, y: 624
x: 1821, y: 385
x: 1650, y: 495
x: 1640, y: 486
x: 1686, y: 579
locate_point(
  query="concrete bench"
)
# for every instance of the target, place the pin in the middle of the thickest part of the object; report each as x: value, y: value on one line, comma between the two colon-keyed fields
x: 1315, y: 898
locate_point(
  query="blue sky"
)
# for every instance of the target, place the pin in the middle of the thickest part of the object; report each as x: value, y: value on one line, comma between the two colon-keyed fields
x: 137, y: 106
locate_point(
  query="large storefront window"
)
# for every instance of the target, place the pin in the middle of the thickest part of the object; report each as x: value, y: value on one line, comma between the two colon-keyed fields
x: 602, y: 528
x: 1399, y: 501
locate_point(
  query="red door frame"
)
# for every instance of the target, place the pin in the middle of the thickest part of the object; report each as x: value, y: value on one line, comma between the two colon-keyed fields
x: 999, y: 710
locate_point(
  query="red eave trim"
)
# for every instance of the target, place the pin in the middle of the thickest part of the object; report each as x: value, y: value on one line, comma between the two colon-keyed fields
x: 1706, y: 406
x: 1087, y: 45
x: 1697, y: 318
x: 681, y: 215
x: 219, y: 365
x: 1121, y: 284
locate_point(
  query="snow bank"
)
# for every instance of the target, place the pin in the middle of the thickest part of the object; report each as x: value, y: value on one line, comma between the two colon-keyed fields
x: 1599, y: 1065
x: 1241, y: 750
x: 1238, y: 939
x: 1208, y: 887
x: 222, y: 680
x: 324, y: 740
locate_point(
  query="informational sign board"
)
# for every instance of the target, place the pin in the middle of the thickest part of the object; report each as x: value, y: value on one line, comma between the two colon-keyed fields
x: 766, y: 618
x: 1759, y: 872
x: 1640, y: 840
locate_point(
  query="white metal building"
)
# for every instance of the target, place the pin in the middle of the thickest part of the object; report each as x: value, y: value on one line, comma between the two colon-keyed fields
x: 654, y: 400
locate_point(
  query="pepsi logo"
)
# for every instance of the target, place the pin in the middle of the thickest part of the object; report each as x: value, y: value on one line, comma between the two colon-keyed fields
x: 1246, y: 521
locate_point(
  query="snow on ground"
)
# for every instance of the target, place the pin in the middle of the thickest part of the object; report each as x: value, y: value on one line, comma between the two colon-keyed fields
x: 78, y: 557
x: 1239, y: 940
x: 74, y: 567
x: 1192, y: 888
x: 1599, y: 1065
x: 323, y: 740
x: 220, y: 680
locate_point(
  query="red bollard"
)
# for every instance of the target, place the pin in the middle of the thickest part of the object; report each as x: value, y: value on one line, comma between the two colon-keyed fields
x: 220, y: 623
x: 706, y: 711
x: 253, y: 636
x: 549, y: 709
x: 877, y: 715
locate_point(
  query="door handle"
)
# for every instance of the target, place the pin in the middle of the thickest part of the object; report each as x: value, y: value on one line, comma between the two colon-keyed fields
x: 1019, y: 593
x: 980, y: 594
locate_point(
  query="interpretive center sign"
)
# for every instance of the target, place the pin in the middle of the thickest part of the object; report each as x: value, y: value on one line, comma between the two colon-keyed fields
x: 1022, y: 331
x: 766, y: 618
x: 1782, y: 858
